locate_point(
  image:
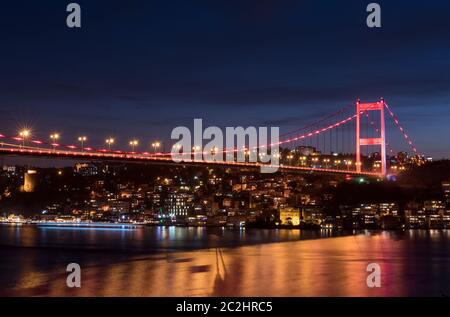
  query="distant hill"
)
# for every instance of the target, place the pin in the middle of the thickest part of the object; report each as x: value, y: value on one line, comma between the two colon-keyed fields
x: 428, y: 176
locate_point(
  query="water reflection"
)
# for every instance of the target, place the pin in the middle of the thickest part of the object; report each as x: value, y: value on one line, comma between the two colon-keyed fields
x: 413, y: 263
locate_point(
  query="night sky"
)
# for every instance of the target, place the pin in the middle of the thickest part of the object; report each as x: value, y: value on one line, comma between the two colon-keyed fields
x: 141, y: 68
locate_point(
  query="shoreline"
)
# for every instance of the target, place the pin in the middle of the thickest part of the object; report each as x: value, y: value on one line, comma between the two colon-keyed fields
x: 130, y: 226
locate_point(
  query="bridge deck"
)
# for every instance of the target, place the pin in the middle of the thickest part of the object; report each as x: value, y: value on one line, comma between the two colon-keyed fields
x: 156, y: 159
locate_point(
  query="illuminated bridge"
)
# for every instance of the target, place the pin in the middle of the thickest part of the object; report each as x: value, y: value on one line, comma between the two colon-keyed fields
x: 355, y: 130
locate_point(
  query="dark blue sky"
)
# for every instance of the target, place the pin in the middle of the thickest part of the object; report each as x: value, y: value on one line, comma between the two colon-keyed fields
x: 140, y: 68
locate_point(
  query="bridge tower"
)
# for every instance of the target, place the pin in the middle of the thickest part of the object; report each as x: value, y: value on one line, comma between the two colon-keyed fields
x: 361, y: 108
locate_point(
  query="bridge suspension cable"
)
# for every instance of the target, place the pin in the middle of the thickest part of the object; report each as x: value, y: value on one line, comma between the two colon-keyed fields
x: 312, y: 125
x: 402, y: 130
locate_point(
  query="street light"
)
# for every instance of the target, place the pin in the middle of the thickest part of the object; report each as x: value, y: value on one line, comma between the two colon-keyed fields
x: 133, y: 144
x: 109, y: 141
x: 290, y: 157
x: 54, y: 138
x: 156, y: 145
x: 315, y: 160
x: 303, y: 160
x: 23, y: 135
x: 348, y: 163
x: 82, y: 139
x: 177, y: 147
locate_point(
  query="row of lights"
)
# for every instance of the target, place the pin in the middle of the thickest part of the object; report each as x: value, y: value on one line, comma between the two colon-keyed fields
x: 155, y: 145
x: 24, y: 134
x: 54, y: 137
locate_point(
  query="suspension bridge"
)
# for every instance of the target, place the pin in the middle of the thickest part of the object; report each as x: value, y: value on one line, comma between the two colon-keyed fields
x: 351, y: 140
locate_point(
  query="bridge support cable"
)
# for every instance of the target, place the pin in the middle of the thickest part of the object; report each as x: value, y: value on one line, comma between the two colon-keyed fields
x: 402, y: 130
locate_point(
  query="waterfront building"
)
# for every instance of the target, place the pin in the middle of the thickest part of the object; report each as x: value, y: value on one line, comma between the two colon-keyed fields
x: 179, y: 204
x: 433, y: 206
x: 386, y: 209
x: 119, y: 205
x: 446, y: 191
x: 446, y: 219
x: 312, y: 214
x: 415, y: 218
x: 290, y: 216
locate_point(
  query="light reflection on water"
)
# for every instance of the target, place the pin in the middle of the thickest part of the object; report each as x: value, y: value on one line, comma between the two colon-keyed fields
x: 198, y: 262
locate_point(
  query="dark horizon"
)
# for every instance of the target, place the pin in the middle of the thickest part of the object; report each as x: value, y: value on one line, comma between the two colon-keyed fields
x: 139, y: 69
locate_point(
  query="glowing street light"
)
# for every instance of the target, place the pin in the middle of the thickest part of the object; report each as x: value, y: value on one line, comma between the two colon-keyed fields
x: 82, y: 139
x: 348, y: 163
x: 156, y: 145
x: 109, y: 141
x: 315, y: 160
x: 54, y: 138
x: 177, y: 147
x: 24, y: 134
x: 290, y: 157
x: 303, y: 160
x: 133, y: 144
x: 195, y: 149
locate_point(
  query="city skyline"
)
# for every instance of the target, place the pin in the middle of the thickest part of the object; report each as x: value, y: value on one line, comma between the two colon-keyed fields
x: 261, y: 63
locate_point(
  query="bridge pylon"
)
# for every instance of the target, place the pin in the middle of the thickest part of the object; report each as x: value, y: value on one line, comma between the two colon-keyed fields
x: 361, y: 108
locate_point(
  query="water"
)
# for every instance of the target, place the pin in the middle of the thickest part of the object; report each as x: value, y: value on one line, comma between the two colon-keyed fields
x: 159, y: 261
